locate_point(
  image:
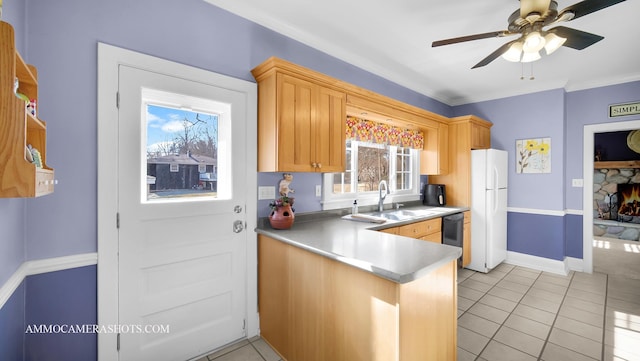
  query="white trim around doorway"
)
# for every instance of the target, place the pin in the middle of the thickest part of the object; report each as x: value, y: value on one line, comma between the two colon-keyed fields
x: 587, y: 190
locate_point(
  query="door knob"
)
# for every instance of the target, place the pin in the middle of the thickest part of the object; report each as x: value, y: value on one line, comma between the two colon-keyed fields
x: 238, y: 226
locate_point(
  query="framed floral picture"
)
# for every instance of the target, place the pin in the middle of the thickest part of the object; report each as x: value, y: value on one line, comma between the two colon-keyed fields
x: 533, y: 155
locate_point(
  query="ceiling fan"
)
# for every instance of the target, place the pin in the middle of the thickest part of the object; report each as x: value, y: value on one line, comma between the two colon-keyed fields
x: 529, y: 21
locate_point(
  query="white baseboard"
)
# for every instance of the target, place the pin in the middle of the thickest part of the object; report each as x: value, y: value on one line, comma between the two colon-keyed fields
x: 35, y: 267
x: 574, y: 264
x: 537, y: 263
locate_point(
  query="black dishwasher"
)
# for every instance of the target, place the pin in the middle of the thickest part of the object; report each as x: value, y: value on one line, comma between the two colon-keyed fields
x: 452, y: 231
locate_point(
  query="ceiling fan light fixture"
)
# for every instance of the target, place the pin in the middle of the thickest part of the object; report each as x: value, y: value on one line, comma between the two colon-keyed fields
x: 553, y: 42
x: 528, y: 57
x: 514, y: 53
x: 533, y: 42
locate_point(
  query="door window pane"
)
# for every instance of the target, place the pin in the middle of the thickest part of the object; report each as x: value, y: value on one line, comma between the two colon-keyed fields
x: 182, y: 153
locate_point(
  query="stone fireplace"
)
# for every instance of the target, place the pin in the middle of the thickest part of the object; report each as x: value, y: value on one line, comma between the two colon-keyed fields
x: 629, y: 203
x: 617, y: 203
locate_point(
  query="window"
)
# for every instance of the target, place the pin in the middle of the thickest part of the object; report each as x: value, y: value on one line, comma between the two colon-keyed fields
x: 367, y: 164
x: 183, y: 146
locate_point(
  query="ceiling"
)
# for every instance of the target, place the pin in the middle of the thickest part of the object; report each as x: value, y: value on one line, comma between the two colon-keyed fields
x: 393, y: 40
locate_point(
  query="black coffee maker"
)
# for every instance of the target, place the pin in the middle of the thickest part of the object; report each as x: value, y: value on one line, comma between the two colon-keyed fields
x: 434, y: 195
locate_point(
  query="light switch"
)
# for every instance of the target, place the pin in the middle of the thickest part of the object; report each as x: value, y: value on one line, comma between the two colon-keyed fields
x: 318, y: 190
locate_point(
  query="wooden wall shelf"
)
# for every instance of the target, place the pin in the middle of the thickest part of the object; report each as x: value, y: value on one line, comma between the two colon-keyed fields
x: 617, y: 164
x: 19, y: 177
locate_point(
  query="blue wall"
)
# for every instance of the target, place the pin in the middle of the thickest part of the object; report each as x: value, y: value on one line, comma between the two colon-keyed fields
x: 12, y: 326
x: 66, y: 297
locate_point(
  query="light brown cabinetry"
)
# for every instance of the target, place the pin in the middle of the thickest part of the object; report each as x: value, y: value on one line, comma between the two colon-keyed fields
x: 313, y: 308
x: 18, y: 128
x: 465, y: 133
x: 434, y: 159
x: 434, y: 156
x: 429, y: 230
x: 302, y: 118
x: 466, y: 239
x: 480, y: 135
x: 301, y: 124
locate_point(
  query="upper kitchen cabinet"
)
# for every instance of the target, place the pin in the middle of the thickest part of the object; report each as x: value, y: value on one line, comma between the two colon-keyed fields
x: 435, y: 154
x: 465, y: 134
x: 434, y: 159
x: 301, y: 120
x: 480, y: 133
x: 23, y: 148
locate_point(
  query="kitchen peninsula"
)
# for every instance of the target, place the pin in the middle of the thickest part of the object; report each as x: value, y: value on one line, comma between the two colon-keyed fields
x: 334, y: 289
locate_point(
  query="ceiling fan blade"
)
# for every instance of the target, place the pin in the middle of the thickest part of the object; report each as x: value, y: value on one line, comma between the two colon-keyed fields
x: 493, y: 56
x: 587, y: 7
x: 493, y: 34
x: 533, y: 6
x: 576, y: 39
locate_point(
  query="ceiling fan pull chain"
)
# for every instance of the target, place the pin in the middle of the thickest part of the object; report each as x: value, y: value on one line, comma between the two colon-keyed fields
x: 532, y: 77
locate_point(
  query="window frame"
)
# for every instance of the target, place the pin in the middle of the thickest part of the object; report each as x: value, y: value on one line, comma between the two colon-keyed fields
x: 332, y: 200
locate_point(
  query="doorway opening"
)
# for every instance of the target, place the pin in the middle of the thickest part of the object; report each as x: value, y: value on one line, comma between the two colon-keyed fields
x: 593, y: 245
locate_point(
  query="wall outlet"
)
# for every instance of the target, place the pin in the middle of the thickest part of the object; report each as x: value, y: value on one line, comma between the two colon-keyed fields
x: 576, y: 183
x: 266, y: 193
x: 318, y: 190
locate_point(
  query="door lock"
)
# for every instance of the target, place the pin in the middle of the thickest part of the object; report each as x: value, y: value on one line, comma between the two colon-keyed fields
x: 238, y: 226
x: 237, y: 209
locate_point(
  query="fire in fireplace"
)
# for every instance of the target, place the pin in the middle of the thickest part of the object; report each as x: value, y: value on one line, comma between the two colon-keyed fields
x: 628, y: 201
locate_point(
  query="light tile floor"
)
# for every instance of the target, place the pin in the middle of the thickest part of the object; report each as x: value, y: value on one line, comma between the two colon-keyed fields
x: 254, y: 349
x: 516, y: 313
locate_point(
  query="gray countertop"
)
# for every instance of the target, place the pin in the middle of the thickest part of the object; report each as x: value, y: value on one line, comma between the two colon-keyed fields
x: 396, y: 258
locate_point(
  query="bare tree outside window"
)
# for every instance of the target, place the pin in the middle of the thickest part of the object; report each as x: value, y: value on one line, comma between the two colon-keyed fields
x: 373, y: 166
x: 182, y: 140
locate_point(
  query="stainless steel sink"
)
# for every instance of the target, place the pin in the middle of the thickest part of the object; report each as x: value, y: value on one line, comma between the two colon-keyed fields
x: 407, y: 214
x: 400, y: 215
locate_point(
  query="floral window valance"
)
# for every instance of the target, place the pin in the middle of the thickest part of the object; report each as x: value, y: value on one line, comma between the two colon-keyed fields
x: 369, y: 131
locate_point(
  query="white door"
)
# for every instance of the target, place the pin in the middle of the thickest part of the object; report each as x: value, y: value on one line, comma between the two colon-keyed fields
x: 182, y: 252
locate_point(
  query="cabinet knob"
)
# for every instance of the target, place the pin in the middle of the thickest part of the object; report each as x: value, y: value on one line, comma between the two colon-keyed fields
x: 319, y: 165
x: 314, y: 165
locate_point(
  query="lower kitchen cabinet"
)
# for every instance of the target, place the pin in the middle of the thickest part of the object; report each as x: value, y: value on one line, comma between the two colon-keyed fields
x: 314, y: 308
x: 466, y: 239
x: 429, y: 230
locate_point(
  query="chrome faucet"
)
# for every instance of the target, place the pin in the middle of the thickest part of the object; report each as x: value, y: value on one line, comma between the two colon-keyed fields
x: 382, y: 196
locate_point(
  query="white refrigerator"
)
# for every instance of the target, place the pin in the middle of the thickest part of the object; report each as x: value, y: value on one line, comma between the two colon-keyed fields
x: 488, y: 209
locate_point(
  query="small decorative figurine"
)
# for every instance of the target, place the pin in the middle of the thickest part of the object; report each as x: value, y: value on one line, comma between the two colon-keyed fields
x: 283, y: 185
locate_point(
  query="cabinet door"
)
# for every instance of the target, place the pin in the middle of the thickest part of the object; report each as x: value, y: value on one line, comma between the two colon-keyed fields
x: 466, y: 239
x: 329, y: 131
x: 420, y: 229
x: 433, y: 237
x: 392, y: 230
x: 434, y: 158
x: 296, y: 99
x: 480, y: 137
